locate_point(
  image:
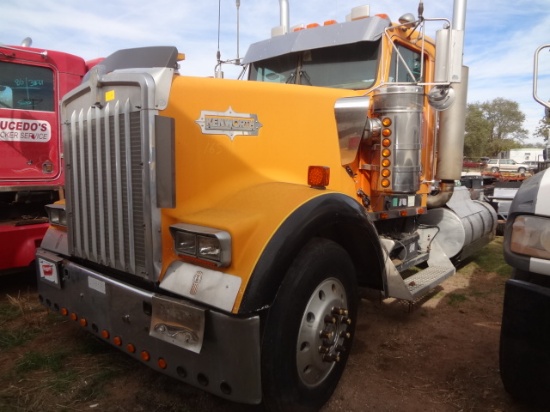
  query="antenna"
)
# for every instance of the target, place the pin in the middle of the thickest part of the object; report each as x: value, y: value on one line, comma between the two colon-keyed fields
x: 238, y: 4
x: 237, y: 60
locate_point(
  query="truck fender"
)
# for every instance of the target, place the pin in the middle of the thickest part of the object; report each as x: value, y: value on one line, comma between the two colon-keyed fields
x: 332, y: 216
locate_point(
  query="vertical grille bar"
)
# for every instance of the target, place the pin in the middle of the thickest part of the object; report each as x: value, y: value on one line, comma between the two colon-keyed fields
x: 131, y: 202
x: 119, y: 208
x: 101, y: 233
x: 82, y: 178
x: 76, y: 208
x: 110, y: 258
x: 91, y: 173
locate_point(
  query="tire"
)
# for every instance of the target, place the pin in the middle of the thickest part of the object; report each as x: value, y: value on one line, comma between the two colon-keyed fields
x: 309, y: 329
x: 494, y: 169
x: 522, y: 170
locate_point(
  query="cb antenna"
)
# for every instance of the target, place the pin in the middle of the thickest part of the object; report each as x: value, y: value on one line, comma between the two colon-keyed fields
x: 237, y: 61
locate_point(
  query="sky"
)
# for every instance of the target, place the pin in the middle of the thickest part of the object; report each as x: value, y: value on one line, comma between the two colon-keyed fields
x: 501, y: 36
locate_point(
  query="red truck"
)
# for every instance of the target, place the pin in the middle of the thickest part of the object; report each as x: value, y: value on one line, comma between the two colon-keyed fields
x: 32, y: 82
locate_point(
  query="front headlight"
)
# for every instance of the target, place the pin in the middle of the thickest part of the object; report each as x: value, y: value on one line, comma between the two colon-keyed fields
x: 57, y: 214
x: 204, y: 243
x: 531, y: 236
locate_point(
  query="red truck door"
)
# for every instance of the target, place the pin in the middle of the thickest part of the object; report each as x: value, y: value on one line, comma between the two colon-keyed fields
x: 30, y: 151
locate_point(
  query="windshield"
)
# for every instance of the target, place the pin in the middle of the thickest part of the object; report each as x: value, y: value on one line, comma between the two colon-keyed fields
x: 349, y: 66
x: 26, y: 87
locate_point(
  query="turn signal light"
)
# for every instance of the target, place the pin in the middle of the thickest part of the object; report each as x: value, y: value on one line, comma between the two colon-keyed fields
x: 318, y: 176
x: 162, y: 363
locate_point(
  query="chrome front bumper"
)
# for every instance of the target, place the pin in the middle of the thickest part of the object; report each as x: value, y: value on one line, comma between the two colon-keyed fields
x: 211, y: 350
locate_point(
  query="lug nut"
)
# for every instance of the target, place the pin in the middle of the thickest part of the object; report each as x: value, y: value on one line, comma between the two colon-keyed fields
x: 340, y: 311
x: 345, y: 335
x: 330, y: 319
x: 331, y: 358
x: 324, y: 334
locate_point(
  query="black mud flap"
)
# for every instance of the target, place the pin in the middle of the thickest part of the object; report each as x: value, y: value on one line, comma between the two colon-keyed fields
x: 525, y: 342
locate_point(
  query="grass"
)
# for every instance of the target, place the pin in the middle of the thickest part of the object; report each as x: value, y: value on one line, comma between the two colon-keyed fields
x: 456, y: 299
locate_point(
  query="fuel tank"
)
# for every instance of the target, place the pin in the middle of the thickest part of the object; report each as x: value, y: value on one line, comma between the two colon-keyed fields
x: 465, y: 225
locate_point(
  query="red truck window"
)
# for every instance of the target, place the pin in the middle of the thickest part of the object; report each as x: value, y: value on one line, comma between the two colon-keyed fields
x: 26, y: 87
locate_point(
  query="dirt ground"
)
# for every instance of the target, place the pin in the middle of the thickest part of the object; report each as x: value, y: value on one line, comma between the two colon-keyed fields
x: 440, y: 355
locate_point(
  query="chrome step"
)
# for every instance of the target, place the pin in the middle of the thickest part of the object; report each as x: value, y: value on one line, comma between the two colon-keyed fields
x: 414, y: 287
x: 427, y: 279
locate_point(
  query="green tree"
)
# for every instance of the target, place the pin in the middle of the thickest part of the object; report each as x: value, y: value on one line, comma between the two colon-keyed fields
x: 493, y: 127
x: 543, y: 128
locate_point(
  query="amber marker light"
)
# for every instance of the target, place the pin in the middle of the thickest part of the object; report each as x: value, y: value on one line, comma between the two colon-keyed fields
x: 386, y: 142
x: 384, y: 216
x: 117, y: 341
x: 386, y: 122
x: 385, y: 183
x: 386, y: 163
x: 403, y: 213
x: 162, y: 363
x: 64, y: 311
x: 312, y: 25
x: 144, y: 355
x: 130, y: 348
x: 386, y: 132
x: 330, y: 22
x: 318, y: 176
x: 386, y: 173
x: 420, y: 211
x: 105, y: 334
x: 73, y: 316
x: 83, y: 322
x: 386, y: 152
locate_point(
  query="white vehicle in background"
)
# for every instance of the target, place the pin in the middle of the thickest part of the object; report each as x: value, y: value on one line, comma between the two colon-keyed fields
x: 506, y: 165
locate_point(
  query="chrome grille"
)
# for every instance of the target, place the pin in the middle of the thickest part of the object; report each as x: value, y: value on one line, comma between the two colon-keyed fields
x: 106, y: 190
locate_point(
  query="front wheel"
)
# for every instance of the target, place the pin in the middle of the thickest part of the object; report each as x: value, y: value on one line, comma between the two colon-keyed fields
x: 494, y: 169
x: 522, y: 170
x: 309, y: 329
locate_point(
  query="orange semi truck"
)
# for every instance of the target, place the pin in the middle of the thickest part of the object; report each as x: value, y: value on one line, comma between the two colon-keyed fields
x: 218, y: 230
x: 32, y: 82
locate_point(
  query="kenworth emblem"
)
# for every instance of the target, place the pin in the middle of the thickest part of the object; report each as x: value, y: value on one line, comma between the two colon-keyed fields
x: 229, y: 123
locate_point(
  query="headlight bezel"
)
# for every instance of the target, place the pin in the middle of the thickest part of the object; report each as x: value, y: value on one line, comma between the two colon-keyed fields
x: 213, y: 246
x: 57, y: 214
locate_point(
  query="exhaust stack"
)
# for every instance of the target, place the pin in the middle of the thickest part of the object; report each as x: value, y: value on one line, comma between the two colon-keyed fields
x: 285, y: 15
x: 449, y: 69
